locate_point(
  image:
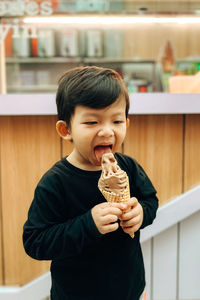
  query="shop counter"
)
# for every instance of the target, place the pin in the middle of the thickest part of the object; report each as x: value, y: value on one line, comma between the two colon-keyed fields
x: 163, y: 136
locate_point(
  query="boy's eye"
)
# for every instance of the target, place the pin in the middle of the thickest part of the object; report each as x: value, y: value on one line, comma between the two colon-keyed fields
x: 90, y: 123
x: 118, y: 122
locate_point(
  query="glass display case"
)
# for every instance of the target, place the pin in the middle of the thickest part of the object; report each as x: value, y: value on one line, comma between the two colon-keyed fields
x: 45, y: 38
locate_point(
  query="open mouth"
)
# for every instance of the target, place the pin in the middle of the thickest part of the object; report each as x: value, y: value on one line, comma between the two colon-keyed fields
x: 101, y: 149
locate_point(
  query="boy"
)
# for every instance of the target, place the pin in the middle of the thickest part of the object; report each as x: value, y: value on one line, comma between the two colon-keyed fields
x: 69, y: 221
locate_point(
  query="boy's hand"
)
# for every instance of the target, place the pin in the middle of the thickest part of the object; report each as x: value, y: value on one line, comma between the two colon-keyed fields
x: 133, y: 218
x: 105, y: 216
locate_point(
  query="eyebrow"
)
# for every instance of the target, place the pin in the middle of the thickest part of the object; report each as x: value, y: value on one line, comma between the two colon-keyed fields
x: 96, y: 114
x: 89, y: 114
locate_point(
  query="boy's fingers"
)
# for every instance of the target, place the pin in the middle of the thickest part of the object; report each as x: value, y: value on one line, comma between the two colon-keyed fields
x: 133, y: 210
x: 109, y: 219
x: 121, y: 206
x: 112, y: 211
x: 111, y: 227
x: 129, y: 215
x: 132, y: 202
x: 113, y: 208
x: 131, y: 222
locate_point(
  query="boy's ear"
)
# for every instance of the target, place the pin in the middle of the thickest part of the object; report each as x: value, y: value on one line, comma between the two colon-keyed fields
x: 127, y: 123
x: 63, y: 130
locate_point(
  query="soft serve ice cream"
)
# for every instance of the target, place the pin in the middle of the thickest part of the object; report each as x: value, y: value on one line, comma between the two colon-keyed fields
x: 112, y: 179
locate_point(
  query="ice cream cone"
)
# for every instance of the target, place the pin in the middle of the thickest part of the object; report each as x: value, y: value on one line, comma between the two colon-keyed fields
x: 108, y: 193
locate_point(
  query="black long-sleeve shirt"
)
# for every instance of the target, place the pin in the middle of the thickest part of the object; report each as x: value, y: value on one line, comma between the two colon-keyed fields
x: 86, y: 265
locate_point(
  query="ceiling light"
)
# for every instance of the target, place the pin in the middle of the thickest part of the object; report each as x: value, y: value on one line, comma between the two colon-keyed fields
x: 110, y: 20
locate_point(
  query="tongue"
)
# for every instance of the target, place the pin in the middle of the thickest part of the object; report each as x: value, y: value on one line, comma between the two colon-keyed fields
x: 100, y: 150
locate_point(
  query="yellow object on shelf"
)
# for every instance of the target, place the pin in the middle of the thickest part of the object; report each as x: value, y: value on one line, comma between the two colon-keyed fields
x: 185, y: 84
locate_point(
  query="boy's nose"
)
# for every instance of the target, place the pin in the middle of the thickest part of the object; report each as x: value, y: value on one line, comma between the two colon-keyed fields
x: 106, y: 131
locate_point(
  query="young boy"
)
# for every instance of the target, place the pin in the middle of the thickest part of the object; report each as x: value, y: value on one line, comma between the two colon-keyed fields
x: 69, y: 221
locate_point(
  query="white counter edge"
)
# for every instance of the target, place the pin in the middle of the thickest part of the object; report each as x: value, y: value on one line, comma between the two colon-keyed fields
x: 164, y: 103
x: 27, y: 104
x: 173, y: 212
x: 140, y: 103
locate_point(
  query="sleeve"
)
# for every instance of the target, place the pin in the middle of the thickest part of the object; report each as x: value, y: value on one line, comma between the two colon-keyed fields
x: 146, y: 195
x: 48, y: 234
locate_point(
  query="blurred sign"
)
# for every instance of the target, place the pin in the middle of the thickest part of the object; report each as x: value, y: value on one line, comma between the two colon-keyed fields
x: 17, y: 31
x: 23, y: 7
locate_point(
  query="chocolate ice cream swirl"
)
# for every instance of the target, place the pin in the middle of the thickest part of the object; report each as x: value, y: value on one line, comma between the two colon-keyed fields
x: 112, y: 179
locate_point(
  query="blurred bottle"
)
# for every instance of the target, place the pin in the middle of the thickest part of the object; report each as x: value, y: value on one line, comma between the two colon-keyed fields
x: 94, y: 43
x: 21, y: 44
x: 8, y: 44
x: 67, y: 42
x: 114, y: 43
x: 46, y: 42
x: 167, y: 58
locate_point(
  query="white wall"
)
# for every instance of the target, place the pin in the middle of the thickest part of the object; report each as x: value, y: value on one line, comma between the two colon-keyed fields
x: 172, y: 262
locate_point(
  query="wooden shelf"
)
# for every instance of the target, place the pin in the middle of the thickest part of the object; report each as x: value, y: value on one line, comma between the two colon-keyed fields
x: 30, y: 60
x: 100, y: 60
x: 33, y: 88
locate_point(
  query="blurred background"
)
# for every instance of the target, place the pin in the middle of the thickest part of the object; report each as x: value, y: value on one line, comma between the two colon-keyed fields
x: 146, y: 41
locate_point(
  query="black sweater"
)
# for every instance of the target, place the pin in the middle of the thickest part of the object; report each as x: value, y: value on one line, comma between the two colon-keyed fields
x: 60, y: 227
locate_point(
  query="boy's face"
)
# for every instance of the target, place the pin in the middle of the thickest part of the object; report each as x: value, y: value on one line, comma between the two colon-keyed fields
x: 96, y: 131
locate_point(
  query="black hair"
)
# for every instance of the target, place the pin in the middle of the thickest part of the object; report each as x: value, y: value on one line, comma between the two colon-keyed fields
x: 90, y: 86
